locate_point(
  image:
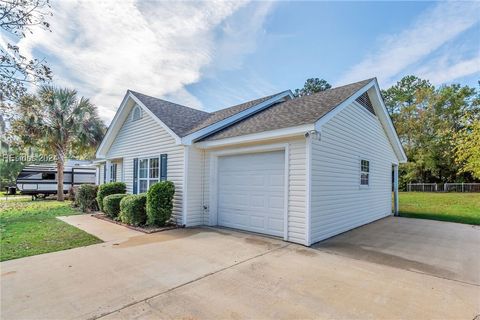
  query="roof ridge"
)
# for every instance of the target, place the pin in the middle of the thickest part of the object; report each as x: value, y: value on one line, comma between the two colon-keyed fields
x: 167, y: 101
x: 335, y: 88
x: 251, y: 100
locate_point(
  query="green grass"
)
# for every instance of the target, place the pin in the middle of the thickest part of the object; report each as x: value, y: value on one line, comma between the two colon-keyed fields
x: 29, y: 228
x: 453, y: 207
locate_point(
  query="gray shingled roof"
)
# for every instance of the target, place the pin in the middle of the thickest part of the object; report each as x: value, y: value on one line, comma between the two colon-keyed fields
x: 179, y: 118
x: 184, y: 120
x: 303, y: 110
x: 228, y: 112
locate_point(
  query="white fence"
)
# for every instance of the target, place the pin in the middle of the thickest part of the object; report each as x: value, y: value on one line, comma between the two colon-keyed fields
x: 446, y: 187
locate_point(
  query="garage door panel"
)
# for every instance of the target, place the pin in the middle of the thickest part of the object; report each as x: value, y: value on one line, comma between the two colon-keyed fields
x: 251, y: 192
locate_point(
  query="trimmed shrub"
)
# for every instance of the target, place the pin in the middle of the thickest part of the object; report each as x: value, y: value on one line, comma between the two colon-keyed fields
x: 85, y: 197
x: 111, y: 204
x: 160, y: 203
x: 132, y: 209
x: 107, y: 189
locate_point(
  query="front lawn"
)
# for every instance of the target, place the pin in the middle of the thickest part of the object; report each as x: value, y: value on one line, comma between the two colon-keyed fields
x: 30, y: 227
x: 454, y: 207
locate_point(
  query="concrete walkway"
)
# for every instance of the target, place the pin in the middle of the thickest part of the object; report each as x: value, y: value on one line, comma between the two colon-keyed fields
x: 102, y: 229
x: 217, y: 274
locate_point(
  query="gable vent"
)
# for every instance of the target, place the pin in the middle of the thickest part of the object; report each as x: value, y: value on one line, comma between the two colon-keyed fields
x: 365, y: 102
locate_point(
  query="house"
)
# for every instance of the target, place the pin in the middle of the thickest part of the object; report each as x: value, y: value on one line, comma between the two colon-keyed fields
x: 304, y: 169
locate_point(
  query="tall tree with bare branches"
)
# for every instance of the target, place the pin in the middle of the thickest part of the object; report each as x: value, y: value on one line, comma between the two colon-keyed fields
x: 18, y: 18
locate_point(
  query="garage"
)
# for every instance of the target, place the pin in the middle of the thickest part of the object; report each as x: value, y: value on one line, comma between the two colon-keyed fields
x: 251, y: 192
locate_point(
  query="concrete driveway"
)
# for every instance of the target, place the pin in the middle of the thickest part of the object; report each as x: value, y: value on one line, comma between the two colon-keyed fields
x: 217, y: 273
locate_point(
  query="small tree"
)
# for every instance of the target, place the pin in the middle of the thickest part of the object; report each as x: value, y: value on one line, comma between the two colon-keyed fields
x: 467, y: 150
x: 55, y: 120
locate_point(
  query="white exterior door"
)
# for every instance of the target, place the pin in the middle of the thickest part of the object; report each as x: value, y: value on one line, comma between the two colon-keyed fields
x: 251, y: 189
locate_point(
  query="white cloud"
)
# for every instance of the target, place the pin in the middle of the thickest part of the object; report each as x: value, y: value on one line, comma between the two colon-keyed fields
x: 446, y: 69
x: 431, y: 30
x: 103, y: 48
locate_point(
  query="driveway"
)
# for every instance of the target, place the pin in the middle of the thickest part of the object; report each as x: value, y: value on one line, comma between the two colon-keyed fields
x: 218, y: 273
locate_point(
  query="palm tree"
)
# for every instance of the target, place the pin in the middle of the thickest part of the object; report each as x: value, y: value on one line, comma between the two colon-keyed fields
x: 56, y: 121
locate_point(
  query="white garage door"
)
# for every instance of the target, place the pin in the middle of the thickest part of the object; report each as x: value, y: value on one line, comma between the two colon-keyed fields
x: 251, y: 192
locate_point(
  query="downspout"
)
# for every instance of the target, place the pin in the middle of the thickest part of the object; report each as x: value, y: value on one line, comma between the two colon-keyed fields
x: 308, y: 186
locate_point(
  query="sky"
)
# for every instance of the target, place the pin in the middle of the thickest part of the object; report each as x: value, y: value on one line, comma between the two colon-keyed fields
x: 211, y: 55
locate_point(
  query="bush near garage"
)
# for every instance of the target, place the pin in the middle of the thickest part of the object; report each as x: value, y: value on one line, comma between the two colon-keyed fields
x: 85, y: 197
x: 132, y: 209
x: 107, y: 189
x: 111, y: 204
x: 160, y: 203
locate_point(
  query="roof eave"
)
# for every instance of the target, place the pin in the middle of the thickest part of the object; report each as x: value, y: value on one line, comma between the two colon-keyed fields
x: 288, y: 132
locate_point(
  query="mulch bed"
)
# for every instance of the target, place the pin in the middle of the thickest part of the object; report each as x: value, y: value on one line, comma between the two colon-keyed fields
x: 144, y: 229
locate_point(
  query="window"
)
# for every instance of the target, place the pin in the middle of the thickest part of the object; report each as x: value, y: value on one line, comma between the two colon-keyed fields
x: 137, y: 113
x: 148, y: 173
x: 113, y: 172
x: 364, y: 172
x: 48, y: 176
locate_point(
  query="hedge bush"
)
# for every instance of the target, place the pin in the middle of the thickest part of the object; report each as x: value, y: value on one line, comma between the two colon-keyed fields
x: 85, y: 197
x: 107, y: 189
x: 160, y: 203
x: 111, y: 204
x: 132, y: 209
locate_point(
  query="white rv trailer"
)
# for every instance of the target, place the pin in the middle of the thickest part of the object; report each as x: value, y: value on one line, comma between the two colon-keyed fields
x: 42, y: 179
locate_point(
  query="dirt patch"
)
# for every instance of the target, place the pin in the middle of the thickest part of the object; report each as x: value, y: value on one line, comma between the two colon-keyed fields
x: 144, y: 229
x: 261, y: 242
x: 8, y: 273
x: 306, y: 252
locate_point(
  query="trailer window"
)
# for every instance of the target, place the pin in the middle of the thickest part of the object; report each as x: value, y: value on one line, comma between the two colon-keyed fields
x: 48, y: 176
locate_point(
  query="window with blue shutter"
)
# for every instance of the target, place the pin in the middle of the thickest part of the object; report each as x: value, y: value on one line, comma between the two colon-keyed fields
x: 163, y: 167
x: 135, y: 175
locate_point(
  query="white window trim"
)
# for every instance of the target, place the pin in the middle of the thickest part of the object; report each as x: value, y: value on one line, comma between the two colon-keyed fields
x: 113, y: 173
x: 135, y: 108
x: 364, y: 186
x: 148, y: 179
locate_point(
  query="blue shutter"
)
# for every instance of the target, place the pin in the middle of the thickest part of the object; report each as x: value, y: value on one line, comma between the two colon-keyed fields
x: 163, y: 167
x: 104, y: 173
x: 135, y: 175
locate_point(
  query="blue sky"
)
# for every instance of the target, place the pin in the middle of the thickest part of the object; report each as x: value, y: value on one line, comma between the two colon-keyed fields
x: 211, y: 55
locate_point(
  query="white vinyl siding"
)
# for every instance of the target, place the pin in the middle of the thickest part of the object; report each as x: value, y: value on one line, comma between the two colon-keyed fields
x: 195, y: 187
x: 146, y: 138
x: 296, y: 188
x: 101, y: 173
x: 338, y: 202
